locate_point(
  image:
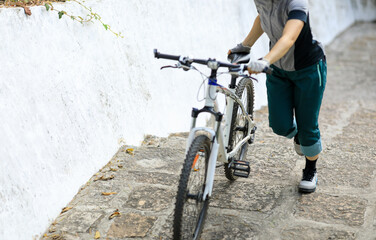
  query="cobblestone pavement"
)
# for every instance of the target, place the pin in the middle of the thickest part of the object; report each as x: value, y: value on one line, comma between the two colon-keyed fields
x: 132, y: 197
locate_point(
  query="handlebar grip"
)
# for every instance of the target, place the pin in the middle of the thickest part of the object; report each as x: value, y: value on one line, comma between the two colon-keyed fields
x: 267, y: 70
x: 165, y: 56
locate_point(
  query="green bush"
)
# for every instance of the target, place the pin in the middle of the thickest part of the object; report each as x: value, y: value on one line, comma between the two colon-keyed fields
x: 90, y: 16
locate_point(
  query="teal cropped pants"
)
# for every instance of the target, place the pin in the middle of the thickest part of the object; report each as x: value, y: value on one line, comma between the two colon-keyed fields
x: 294, y: 101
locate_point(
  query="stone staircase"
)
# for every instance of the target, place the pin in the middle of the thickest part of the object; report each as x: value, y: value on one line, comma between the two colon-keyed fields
x: 132, y: 197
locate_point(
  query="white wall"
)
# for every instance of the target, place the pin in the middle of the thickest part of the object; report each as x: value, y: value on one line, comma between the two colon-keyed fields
x: 329, y: 17
x: 71, y: 94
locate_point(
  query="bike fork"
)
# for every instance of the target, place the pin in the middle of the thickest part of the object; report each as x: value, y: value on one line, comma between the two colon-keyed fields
x: 214, y: 137
x: 211, y: 170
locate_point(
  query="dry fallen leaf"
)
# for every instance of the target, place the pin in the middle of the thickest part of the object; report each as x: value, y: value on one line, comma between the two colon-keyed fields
x: 115, y: 214
x: 108, y: 193
x: 104, y: 178
x: 130, y: 151
x: 97, y: 235
x: 54, y: 237
x: 66, y: 209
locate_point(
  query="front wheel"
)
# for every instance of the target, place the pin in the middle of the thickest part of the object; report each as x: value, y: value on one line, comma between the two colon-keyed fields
x: 239, y: 124
x: 190, y: 208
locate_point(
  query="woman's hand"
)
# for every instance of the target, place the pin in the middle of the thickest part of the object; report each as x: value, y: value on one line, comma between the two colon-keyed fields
x: 258, y: 66
x: 237, y: 53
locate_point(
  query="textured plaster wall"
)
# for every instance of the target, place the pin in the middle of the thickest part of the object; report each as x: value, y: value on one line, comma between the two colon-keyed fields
x: 330, y: 18
x: 71, y: 94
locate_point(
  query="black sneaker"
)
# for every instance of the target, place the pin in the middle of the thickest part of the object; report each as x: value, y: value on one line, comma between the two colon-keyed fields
x: 309, y: 181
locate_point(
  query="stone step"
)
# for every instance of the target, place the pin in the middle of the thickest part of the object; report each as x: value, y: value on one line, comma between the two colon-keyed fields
x: 133, y: 196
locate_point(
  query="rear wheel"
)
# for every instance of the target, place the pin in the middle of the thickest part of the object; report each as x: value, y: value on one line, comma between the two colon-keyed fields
x: 239, y: 124
x: 190, y: 208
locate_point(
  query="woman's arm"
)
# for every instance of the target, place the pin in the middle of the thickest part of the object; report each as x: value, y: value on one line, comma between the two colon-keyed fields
x: 254, y: 34
x: 244, y: 48
x: 290, y: 33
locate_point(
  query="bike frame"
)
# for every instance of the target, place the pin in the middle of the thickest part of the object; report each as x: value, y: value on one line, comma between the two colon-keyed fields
x: 219, y: 135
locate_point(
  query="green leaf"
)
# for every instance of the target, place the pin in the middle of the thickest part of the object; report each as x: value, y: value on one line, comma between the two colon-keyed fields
x: 105, y: 26
x: 61, y: 13
x: 47, y: 6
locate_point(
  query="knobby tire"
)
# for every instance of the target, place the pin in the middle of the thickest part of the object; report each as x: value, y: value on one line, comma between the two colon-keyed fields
x: 190, y: 209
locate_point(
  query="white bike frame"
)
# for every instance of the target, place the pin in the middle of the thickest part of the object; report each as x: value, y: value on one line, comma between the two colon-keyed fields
x: 219, y: 135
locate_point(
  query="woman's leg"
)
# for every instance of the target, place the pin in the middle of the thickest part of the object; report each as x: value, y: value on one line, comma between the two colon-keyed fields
x: 314, y: 158
x: 281, y: 104
x: 308, y: 93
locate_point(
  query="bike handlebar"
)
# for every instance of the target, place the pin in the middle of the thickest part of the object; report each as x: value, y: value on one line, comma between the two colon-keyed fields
x: 165, y: 56
x: 192, y: 60
x: 242, y: 67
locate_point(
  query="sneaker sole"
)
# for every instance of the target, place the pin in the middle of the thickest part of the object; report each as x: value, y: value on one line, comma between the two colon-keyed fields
x: 305, y: 190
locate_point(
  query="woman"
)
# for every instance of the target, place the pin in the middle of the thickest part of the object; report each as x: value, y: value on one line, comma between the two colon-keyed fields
x: 296, y: 87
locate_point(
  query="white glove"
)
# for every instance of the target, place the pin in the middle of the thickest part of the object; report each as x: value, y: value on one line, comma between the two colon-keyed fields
x: 258, y: 65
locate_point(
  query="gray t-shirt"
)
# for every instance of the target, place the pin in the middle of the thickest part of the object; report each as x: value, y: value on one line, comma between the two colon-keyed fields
x: 274, y: 14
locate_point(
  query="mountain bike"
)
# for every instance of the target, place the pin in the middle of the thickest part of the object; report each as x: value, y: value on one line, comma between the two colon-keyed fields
x: 226, y: 142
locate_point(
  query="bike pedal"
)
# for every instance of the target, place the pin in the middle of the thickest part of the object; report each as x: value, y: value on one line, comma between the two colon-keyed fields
x: 241, y: 168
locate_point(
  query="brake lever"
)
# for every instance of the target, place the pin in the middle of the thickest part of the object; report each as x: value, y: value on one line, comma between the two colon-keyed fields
x: 169, y: 66
x: 248, y: 76
x: 178, y: 65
